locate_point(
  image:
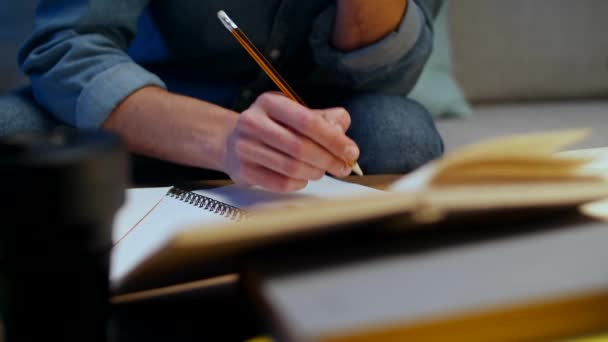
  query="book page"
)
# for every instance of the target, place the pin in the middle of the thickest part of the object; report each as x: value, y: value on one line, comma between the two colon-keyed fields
x: 153, y: 231
x: 138, y: 202
x: 598, y: 157
x: 533, y: 156
x: 415, y: 181
x: 510, y: 159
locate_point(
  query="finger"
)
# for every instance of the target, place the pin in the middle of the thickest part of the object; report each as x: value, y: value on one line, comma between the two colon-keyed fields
x: 309, y: 124
x: 338, y: 117
x: 255, y: 174
x: 258, y: 153
x: 276, y: 92
x: 271, y: 133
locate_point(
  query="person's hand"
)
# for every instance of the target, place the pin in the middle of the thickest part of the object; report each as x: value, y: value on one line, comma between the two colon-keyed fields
x: 280, y: 145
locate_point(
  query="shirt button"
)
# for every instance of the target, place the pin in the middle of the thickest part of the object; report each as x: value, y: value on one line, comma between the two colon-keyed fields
x: 274, y: 54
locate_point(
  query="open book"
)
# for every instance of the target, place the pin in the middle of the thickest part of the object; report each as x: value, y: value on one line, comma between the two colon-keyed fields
x: 182, y: 231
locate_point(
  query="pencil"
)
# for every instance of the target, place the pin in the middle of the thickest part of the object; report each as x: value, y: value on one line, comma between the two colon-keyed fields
x: 267, y: 67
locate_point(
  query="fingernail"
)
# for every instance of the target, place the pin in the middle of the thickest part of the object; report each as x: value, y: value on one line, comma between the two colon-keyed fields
x: 351, y: 152
x: 346, y: 169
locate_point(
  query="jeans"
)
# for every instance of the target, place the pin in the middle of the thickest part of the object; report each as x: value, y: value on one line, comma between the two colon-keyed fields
x: 394, y: 134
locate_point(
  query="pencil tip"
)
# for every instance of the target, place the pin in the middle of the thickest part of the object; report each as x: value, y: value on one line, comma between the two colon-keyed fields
x: 357, y: 169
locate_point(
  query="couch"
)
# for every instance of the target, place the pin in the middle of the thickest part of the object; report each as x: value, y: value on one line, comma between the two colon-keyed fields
x: 526, y: 66
x: 499, y: 67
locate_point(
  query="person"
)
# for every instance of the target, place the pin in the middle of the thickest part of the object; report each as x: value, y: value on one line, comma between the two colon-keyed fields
x: 186, y: 98
x: 171, y: 81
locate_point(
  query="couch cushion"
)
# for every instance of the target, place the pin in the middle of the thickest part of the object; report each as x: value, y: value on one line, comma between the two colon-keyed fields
x: 437, y: 89
x: 532, y: 50
x: 489, y: 121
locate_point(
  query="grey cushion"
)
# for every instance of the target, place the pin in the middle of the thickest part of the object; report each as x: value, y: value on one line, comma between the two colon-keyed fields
x: 437, y: 89
x: 521, y: 49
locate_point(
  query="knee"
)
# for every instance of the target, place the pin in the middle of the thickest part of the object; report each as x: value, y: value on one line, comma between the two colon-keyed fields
x: 19, y: 112
x: 394, y: 134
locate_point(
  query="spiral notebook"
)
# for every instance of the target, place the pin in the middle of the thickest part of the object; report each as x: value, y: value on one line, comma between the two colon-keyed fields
x: 153, y: 216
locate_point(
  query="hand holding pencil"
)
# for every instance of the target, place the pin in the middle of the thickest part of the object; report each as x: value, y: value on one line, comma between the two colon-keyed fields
x: 318, y: 132
x: 264, y: 149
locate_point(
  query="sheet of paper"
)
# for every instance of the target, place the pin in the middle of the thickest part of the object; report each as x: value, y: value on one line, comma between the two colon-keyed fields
x: 510, y: 148
x: 153, y: 231
x: 249, y: 197
x: 138, y: 201
x: 171, y: 215
x: 597, y: 209
x: 417, y: 180
x: 599, y: 156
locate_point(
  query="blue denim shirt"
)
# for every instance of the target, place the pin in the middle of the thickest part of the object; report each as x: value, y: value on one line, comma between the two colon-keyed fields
x: 86, y: 56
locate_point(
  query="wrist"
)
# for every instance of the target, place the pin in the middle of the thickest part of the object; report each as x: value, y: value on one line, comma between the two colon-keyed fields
x: 172, y: 127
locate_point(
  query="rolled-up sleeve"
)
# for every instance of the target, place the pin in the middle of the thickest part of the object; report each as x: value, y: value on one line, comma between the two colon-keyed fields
x: 391, y: 63
x: 77, y: 58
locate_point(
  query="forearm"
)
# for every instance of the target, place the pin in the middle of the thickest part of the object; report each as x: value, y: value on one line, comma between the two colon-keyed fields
x: 362, y: 22
x: 160, y: 124
x: 77, y: 58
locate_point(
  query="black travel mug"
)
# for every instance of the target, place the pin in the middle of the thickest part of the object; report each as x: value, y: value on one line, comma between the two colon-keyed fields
x: 61, y: 191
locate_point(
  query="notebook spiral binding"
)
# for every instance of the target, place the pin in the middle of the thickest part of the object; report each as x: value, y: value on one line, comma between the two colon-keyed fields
x: 231, y: 212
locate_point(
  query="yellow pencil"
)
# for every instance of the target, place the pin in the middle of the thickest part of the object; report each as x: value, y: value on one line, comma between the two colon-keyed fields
x: 267, y: 67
